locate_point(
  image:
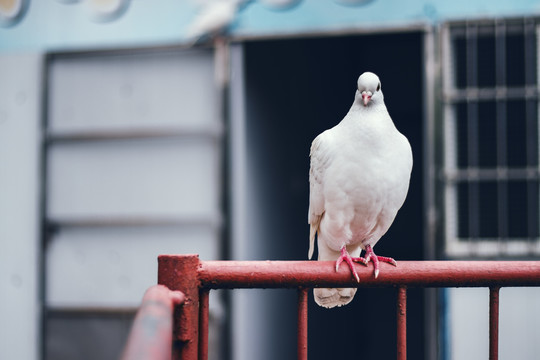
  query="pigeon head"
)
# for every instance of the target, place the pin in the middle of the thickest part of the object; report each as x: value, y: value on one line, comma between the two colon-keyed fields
x: 369, y: 88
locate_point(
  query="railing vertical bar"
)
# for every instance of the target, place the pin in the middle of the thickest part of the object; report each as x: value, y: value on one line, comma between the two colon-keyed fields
x: 204, y: 317
x: 402, y: 323
x: 494, y: 323
x: 302, y: 323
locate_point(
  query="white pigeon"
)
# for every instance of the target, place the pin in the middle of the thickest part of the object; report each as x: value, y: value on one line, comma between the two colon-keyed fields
x: 359, y: 178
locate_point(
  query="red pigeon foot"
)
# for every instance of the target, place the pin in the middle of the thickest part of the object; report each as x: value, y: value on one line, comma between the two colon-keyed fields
x: 349, y: 260
x: 370, y: 256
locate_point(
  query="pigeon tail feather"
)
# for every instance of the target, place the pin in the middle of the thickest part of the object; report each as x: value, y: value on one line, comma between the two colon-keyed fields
x: 330, y: 298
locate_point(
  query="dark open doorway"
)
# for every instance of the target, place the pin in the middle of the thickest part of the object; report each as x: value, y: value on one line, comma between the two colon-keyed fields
x: 295, y: 89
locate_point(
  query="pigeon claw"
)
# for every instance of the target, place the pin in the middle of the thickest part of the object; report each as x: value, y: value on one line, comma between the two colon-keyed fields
x: 370, y: 256
x: 349, y: 260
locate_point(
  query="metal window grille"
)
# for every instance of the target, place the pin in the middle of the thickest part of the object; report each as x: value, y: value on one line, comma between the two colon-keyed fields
x: 491, y: 138
x: 195, y: 278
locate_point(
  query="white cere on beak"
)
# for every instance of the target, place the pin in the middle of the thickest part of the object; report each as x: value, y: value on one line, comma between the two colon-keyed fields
x: 366, y: 96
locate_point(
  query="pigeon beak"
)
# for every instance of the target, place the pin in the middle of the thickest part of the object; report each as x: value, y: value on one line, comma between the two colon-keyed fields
x: 366, y: 97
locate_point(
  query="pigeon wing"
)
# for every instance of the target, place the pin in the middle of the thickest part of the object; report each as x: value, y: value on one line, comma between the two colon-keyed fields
x: 319, y: 155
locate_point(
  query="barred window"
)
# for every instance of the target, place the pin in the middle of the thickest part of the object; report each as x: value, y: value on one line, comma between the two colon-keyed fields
x: 491, y: 148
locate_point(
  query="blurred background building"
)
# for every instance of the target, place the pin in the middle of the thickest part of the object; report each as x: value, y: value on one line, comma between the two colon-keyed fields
x: 132, y: 128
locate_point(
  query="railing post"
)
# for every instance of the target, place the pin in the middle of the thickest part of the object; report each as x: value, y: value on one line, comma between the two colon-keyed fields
x: 302, y: 323
x: 179, y: 272
x: 402, y: 323
x: 493, y: 323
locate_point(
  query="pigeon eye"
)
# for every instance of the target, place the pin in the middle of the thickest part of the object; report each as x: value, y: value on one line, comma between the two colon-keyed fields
x: 379, y: 87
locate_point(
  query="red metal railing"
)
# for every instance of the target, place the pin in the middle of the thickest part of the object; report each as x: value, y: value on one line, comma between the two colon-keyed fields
x: 195, y: 279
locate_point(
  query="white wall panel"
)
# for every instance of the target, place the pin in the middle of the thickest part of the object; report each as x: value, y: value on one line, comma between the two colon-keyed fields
x: 141, y: 91
x: 112, y: 267
x: 168, y: 178
x: 519, y: 316
x: 519, y: 319
x: 468, y: 323
x: 20, y: 115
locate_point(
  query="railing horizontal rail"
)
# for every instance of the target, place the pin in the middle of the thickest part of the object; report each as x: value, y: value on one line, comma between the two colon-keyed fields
x: 195, y: 279
x: 294, y: 274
